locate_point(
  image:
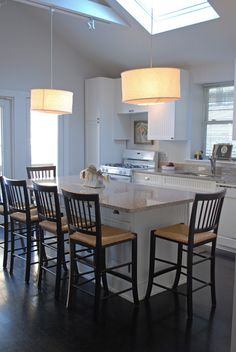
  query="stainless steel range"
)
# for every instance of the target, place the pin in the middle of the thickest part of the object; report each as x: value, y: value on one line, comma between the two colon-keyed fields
x: 132, y: 160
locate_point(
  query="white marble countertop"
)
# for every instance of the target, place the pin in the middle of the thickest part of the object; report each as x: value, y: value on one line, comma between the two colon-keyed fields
x: 227, y: 180
x: 127, y: 197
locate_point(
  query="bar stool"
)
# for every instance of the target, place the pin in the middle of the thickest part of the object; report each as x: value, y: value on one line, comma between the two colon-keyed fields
x: 85, y: 230
x: 24, y: 223
x: 202, y: 229
x: 51, y: 221
x: 41, y: 172
x: 5, y: 224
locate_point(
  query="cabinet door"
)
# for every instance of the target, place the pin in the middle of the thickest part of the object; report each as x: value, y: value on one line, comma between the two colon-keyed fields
x: 123, y: 108
x: 227, y: 226
x: 169, y: 121
x: 92, y: 99
x: 121, y: 127
x: 92, y: 143
x: 161, y: 121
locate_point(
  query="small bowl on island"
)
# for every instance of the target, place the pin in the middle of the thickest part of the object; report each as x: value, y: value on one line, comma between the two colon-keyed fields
x: 170, y: 166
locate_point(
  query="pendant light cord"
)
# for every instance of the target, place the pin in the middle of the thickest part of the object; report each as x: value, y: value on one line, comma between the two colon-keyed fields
x: 151, y: 38
x: 51, y: 44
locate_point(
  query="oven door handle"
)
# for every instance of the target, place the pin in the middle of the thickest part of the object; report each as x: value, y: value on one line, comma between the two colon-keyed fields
x: 120, y: 178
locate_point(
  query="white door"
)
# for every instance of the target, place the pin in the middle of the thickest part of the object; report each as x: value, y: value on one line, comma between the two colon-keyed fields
x: 6, y: 138
x: 93, y: 143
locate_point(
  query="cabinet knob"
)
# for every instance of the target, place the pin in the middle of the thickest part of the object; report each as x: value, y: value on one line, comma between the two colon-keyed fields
x: 116, y: 211
x: 131, y: 110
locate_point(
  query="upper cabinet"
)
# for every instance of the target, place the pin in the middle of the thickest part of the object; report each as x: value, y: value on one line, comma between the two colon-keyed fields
x: 169, y: 121
x: 124, y: 108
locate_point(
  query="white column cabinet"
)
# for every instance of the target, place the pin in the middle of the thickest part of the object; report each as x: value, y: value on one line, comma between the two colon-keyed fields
x: 100, y: 146
x: 227, y: 226
x: 169, y: 121
x: 234, y: 115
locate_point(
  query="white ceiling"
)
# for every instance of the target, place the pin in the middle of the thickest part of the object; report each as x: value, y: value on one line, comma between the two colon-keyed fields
x: 116, y: 48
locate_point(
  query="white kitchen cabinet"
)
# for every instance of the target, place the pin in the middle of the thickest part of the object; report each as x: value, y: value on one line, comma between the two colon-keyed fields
x: 234, y: 114
x: 124, y: 108
x: 227, y: 226
x: 169, y: 121
x: 146, y: 179
x: 100, y: 147
x: 184, y: 183
x: 121, y: 129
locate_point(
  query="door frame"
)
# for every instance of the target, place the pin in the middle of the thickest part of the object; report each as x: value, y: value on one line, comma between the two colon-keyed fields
x: 7, y: 105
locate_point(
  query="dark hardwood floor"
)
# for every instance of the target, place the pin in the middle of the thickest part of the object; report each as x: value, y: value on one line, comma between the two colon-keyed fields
x: 34, y: 321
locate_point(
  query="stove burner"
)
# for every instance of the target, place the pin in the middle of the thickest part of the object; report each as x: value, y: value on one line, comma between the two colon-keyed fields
x: 115, y: 165
x: 127, y: 166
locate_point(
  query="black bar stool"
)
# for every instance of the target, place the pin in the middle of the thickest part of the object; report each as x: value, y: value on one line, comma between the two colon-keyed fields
x: 52, y: 228
x: 41, y: 172
x: 202, y: 229
x: 85, y: 229
x: 5, y: 224
x: 24, y: 223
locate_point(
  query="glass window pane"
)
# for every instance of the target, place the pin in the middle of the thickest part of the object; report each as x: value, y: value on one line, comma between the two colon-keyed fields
x: 220, y: 103
x: 219, y: 133
x: 43, y: 138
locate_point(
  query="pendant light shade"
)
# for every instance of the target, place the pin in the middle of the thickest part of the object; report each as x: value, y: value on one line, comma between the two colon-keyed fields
x: 52, y: 101
x: 147, y: 86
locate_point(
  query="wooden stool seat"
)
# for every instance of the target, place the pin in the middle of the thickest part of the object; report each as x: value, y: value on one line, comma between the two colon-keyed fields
x: 1, y: 210
x: 18, y: 216
x: 51, y: 226
x: 109, y: 237
x: 179, y: 233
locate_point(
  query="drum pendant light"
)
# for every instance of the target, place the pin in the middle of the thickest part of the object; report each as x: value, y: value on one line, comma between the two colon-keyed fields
x: 49, y: 100
x: 149, y: 86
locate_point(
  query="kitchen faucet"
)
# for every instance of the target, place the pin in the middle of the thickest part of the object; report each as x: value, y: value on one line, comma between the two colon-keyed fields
x: 213, y: 164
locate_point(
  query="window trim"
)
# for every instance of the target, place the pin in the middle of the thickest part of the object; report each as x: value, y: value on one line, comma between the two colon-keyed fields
x: 206, y: 88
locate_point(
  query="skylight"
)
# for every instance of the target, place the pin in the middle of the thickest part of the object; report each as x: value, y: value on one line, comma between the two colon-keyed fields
x: 169, y: 14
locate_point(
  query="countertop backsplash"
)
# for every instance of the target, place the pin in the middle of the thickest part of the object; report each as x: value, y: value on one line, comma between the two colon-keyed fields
x: 227, y: 170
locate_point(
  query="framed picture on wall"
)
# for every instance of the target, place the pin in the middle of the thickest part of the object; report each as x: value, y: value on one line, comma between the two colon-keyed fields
x: 141, y: 133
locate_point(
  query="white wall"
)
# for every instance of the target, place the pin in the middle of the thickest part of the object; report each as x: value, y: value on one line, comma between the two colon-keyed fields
x: 25, y: 64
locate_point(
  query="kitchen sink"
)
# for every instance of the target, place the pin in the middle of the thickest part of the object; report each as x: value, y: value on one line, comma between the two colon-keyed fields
x: 197, y: 174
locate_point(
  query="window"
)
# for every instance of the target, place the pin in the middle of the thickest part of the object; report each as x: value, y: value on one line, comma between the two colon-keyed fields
x: 219, y: 116
x: 169, y: 14
x: 43, y: 138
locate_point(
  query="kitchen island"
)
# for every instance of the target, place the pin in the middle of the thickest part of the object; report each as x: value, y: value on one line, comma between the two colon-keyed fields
x: 137, y: 208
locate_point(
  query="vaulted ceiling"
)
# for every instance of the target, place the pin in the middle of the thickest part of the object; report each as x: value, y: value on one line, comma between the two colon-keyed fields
x: 115, y: 47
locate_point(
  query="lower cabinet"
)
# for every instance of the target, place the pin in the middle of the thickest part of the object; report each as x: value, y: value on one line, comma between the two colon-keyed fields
x: 116, y: 218
x: 187, y: 184
x: 227, y: 227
